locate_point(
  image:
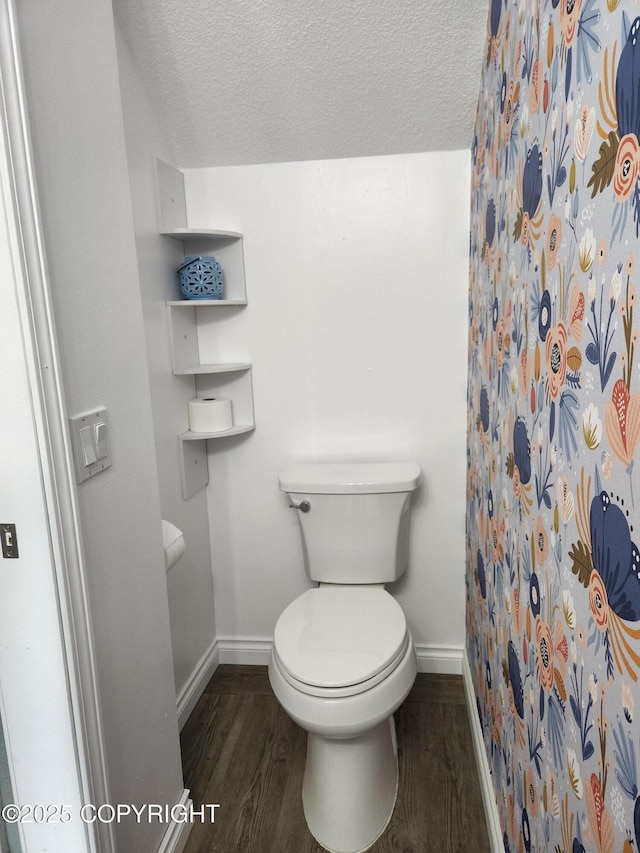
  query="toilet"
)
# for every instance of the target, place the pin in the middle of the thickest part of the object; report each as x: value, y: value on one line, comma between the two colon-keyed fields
x: 343, y: 660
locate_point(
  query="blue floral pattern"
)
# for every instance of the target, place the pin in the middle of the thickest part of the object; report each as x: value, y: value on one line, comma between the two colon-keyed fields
x: 553, y: 569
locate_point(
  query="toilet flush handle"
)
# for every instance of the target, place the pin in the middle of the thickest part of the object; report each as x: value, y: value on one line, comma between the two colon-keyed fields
x: 303, y: 506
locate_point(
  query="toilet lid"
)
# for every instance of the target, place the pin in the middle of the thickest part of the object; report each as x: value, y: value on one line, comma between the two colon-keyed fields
x: 338, y: 636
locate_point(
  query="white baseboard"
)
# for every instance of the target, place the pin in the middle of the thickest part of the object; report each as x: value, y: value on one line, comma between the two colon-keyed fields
x: 494, y: 829
x: 252, y: 651
x: 257, y: 651
x: 442, y: 660
x: 175, y: 838
x: 198, y: 680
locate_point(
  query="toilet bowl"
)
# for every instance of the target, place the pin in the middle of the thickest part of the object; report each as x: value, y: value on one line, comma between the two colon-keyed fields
x: 342, y: 659
x: 342, y: 663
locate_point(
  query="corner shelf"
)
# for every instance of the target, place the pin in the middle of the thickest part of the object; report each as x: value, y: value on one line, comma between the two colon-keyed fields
x: 190, y: 234
x: 187, y: 317
x: 225, y: 380
x: 184, y: 317
x: 199, y: 436
x: 228, y: 248
x: 195, y: 369
x: 204, y: 303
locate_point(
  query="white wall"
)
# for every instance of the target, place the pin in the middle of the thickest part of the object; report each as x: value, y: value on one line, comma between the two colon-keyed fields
x: 189, y: 582
x: 356, y: 326
x: 74, y: 107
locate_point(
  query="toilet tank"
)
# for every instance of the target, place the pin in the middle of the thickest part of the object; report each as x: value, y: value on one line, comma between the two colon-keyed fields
x: 356, y: 530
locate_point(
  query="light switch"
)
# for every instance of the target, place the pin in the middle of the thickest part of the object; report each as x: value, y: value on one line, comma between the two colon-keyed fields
x: 89, y: 433
x: 100, y: 436
x: 88, y: 449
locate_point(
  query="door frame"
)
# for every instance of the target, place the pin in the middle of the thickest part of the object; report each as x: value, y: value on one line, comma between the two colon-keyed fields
x: 38, y: 432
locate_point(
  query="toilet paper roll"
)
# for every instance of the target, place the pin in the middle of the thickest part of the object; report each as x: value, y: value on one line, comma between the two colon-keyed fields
x: 173, y: 544
x: 210, y: 414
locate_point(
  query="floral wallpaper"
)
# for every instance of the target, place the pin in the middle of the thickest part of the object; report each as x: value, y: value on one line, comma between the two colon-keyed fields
x: 553, y: 569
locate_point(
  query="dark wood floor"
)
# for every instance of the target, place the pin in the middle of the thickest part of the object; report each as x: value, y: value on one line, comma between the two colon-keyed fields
x: 241, y: 750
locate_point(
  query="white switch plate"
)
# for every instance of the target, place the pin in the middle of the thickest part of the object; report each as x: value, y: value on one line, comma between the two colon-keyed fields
x: 97, y: 424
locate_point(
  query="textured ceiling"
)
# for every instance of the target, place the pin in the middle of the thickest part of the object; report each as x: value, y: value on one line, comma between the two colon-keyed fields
x: 258, y: 81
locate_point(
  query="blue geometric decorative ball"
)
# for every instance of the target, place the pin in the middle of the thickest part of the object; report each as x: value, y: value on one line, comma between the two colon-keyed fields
x: 201, y: 278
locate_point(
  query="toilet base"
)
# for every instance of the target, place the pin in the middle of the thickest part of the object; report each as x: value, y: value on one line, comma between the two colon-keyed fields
x: 349, y: 788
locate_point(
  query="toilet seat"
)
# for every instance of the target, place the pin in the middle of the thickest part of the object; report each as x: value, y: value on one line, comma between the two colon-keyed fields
x: 337, y: 641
